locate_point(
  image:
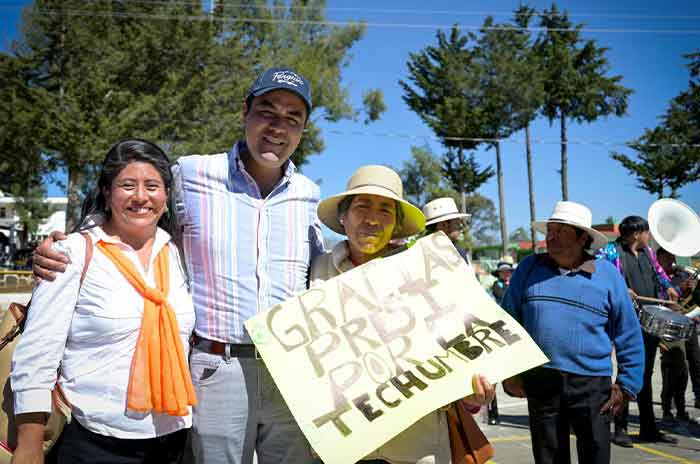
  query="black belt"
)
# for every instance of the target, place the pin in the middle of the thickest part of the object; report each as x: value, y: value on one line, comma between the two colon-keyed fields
x: 233, y: 350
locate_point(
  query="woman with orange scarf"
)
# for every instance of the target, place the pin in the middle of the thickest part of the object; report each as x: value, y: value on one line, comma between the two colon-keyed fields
x: 118, y: 336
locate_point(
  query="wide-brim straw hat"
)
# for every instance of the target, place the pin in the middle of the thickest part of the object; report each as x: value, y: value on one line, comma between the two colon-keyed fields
x: 374, y: 180
x: 575, y: 215
x: 442, y: 209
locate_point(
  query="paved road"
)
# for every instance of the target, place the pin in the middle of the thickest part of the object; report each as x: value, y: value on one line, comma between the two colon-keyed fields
x: 511, y: 439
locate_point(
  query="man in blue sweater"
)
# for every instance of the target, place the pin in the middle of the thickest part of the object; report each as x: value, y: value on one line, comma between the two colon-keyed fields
x: 577, y: 309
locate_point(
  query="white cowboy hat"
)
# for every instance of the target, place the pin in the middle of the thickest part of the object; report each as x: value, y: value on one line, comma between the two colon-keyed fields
x: 442, y: 209
x: 575, y: 215
x: 373, y: 180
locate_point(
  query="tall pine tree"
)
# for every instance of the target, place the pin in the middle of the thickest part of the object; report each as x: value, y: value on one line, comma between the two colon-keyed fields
x: 576, y: 82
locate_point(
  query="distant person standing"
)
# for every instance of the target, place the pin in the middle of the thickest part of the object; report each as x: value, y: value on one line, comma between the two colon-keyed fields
x: 503, y: 272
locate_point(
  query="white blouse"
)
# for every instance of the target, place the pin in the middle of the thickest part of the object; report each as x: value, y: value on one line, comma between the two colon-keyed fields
x: 91, y: 332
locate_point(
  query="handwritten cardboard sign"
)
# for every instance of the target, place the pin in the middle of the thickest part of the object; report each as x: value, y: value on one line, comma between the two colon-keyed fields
x: 366, y: 354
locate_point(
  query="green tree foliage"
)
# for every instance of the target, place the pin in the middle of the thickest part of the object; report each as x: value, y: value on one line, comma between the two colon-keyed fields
x: 21, y: 165
x: 373, y: 103
x: 518, y: 235
x: 668, y: 156
x: 467, y: 89
x: 484, y: 222
x: 443, y: 89
x: 423, y: 180
x: 662, y: 167
x: 576, y: 82
x: 512, y: 88
x: 172, y: 72
x: 421, y: 176
x: 463, y: 173
x: 30, y: 206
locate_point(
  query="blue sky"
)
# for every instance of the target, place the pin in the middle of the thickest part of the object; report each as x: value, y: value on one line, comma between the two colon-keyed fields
x: 650, y: 63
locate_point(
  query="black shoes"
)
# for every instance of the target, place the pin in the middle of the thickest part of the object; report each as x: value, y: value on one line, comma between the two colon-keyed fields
x: 620, y: 438
x: 658, y: 437
x: 668, y: 416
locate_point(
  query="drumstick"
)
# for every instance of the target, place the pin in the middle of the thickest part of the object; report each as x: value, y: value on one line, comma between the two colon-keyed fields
x: 654, y: 300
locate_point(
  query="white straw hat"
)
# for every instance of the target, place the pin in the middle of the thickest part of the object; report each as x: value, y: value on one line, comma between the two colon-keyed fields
x: 373, y: 180
x: 575, y: 215
x: 442, y: 209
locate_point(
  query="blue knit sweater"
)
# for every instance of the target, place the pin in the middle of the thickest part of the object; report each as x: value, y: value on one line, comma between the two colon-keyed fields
x: 577, y: 318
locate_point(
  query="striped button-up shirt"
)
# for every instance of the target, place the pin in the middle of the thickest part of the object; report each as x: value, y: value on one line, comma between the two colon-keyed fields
x: 244, y: 253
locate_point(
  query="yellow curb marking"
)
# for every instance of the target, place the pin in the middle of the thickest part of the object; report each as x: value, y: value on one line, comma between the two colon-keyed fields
x: 507, y: 439
x: 664, y: 455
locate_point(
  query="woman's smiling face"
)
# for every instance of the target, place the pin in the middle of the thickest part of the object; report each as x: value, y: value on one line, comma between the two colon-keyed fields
x: 137, y: 197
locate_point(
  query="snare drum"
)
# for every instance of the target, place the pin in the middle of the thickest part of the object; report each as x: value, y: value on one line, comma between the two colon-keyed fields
x: 664, y: 323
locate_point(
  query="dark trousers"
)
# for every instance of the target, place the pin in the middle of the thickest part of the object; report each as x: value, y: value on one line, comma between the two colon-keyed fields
x: 558, y: 402
x: 79, y: 445
x: 692, y: 354
x: 674, y: 374
x: 647, y: 421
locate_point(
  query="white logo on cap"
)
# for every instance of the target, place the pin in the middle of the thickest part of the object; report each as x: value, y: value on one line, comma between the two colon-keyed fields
x: 288, y: 77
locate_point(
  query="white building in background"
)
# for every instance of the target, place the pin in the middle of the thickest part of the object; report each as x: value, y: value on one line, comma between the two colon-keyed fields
x: 10, y: 225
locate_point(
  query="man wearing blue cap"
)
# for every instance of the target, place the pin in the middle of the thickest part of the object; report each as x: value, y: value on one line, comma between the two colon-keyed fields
x: 249, y: 233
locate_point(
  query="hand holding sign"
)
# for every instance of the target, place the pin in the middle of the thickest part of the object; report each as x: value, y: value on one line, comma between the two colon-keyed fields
x: 368, y: 353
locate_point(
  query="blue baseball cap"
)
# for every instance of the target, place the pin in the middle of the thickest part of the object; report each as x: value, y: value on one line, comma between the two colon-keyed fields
x: 282, y: 79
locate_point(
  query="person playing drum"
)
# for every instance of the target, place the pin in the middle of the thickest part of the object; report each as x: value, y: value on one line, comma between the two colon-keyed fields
x: 645, y: 277
x: 674, y: 371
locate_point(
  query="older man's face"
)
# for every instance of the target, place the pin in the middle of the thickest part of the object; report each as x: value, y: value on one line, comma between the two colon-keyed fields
x: 452, y: 228
x: 563, y: 242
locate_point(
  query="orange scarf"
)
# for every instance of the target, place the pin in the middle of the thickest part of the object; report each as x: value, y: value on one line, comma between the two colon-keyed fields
x: 160, y: 379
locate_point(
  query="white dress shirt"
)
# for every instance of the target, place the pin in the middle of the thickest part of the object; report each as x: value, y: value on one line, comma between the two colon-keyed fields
x: 91, y: 332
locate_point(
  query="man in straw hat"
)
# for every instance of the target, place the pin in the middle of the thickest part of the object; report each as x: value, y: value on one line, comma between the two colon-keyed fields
x: 644, y: 277
x: 250, y: 231
x: 370, y: 213
x: 576, y: 309
x: 442, y: 214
